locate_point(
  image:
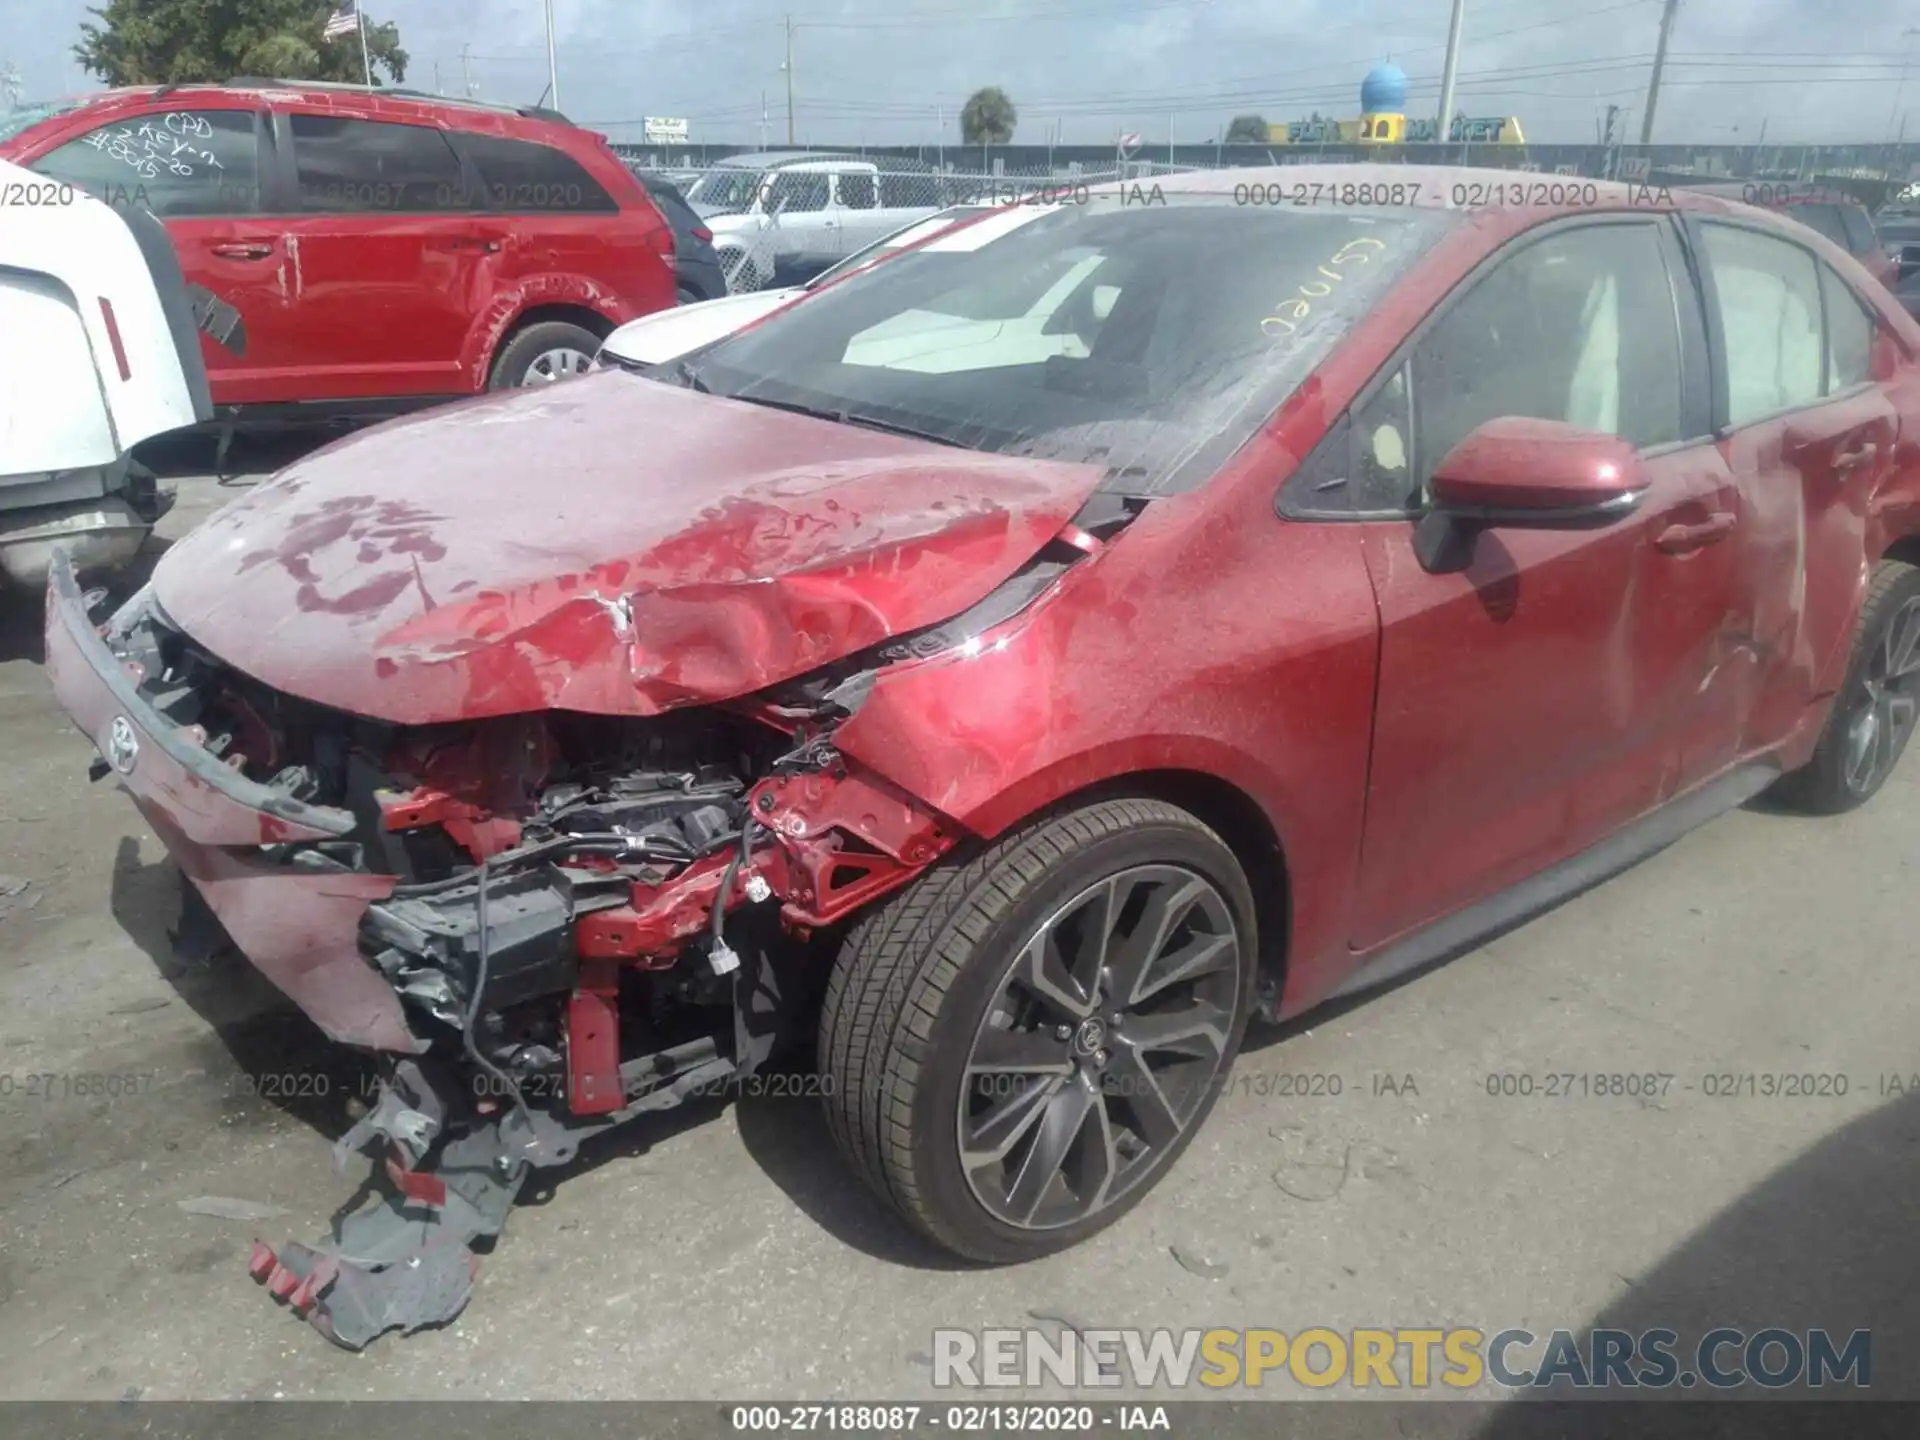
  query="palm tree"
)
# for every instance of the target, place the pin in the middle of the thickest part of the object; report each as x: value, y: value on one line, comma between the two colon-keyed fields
x: 988, y: 117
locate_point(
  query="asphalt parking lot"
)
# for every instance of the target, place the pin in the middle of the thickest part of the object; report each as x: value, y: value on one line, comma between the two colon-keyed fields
x: 724, y: 1253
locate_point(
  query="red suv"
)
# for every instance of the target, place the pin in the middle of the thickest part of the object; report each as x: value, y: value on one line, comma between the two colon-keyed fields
x: 365, y: 250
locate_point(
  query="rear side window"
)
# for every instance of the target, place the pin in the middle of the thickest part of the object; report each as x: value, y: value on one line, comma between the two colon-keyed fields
x: 175, y: 163
x: 856, y: 190
x: 526, y: 176
x: 1860, y: 236
x: 1825, y: 219
x: 909, y: 191
x: 356, y: 166
x: 796, y: 193
x: 1849, y: 335
x: 1768, y: 296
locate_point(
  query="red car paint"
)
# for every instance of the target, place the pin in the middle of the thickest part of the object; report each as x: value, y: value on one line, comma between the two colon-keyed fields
x: 1400, y: 743
x: 682, y: 550
x: 384, y: 301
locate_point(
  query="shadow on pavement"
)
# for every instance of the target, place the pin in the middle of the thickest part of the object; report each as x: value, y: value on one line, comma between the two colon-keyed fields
x: 259, y: 1045
x: 1828, y: 1241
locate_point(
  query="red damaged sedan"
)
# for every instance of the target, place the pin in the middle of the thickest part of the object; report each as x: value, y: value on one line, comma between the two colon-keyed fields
x: 1019, y: 665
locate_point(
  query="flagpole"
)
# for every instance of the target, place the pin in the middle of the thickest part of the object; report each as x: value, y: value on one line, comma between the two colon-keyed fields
x: 366, y: 56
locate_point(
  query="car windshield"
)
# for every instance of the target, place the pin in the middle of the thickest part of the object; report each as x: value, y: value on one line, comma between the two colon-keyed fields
x: 12, y: 122
x: 899, y: 240
x: 725, y: 189
x: 1150, y: 338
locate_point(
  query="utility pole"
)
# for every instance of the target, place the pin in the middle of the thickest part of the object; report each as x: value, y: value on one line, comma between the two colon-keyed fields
x: 788, y: 67
x: 1443, y: 130
x: 1659, y: 64
x: 1906, y: 58
x: 763, y: 119
x: 553, y: 67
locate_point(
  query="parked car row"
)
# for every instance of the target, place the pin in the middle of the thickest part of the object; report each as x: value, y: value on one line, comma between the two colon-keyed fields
x: 767, y: 208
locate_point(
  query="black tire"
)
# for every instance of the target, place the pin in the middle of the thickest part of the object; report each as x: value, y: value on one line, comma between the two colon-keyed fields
x: 1838, y: 778
x: 518, y: 355
x: 908, y: 998
x: 685, y: 295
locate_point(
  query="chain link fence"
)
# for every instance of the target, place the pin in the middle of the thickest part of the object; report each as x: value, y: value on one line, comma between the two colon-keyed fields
x: 909, y: 184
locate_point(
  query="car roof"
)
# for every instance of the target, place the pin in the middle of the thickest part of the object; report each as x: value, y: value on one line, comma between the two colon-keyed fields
x: 1437, y: 187
x: 1775, y: 193
x: 778, y: 159
x: 358, y: 99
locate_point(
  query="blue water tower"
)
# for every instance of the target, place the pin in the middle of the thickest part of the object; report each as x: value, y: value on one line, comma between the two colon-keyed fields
x: 1383, y: 104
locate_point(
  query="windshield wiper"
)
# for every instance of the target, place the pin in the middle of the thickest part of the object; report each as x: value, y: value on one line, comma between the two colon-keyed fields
x: 690, y: 377
x: 847, y: 417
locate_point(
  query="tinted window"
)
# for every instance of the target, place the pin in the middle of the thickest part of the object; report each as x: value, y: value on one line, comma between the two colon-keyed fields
x: 520, y: 175
x: 1849, y: 335
x: 361, y: 165
x: 179, y: 162
x: 1578, y: 327
x: 795, y: 193
x: 1149, y: 339
x: 727, y: 189
x: 1860, y: 236
x: 910, y: 191
x: 856, y: 190
x: 1825, y: 219
x: 1768, y: 296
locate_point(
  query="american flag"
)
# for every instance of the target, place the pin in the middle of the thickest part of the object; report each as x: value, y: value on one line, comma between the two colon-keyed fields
x: 343, y: 21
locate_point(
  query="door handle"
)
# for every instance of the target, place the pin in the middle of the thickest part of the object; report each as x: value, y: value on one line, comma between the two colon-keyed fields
x: 1685, y: 539
x: 485, y: 247
x: 243, y: 249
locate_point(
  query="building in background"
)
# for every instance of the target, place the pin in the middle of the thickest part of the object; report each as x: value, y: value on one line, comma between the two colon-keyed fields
x: 1383, y: 121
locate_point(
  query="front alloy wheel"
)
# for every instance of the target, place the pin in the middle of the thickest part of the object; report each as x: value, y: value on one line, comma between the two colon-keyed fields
x: 1101, y: 1046
x: 1021, y: 1043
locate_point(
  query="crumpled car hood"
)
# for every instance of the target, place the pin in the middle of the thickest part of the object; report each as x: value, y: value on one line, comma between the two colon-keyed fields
x: 611, y: 545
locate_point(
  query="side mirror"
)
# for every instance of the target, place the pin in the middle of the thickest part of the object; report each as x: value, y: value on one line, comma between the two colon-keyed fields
x: 1527, y: 474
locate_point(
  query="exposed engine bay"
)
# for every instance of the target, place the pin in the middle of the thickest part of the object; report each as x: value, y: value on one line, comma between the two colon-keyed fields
x: 591, y: 918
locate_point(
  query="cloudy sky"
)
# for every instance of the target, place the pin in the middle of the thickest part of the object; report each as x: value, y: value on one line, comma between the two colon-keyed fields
x: 1813, y: 71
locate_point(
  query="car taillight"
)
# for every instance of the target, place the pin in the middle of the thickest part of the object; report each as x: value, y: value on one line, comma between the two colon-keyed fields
x: 113, y: 339
x: 700, y: 232
x: 663, y: 240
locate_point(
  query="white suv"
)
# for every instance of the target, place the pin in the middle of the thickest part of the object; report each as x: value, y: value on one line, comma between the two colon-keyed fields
x: 763, y: 208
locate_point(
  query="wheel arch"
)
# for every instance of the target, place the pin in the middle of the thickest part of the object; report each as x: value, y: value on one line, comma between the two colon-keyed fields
x: 1905, y: 548
x: 574, y: 303
x: 1235, y: 816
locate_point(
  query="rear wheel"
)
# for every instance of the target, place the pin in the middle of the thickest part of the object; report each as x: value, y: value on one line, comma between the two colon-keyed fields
x: 545, y: 354
x: 1873, y: 715
x: 1021, y: 1044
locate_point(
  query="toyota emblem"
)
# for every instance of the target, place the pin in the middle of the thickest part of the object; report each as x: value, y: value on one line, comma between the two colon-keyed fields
x: 123, y: 746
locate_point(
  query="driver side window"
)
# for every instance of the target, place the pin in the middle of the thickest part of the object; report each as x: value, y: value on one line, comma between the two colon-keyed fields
x: 1578, y: 327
